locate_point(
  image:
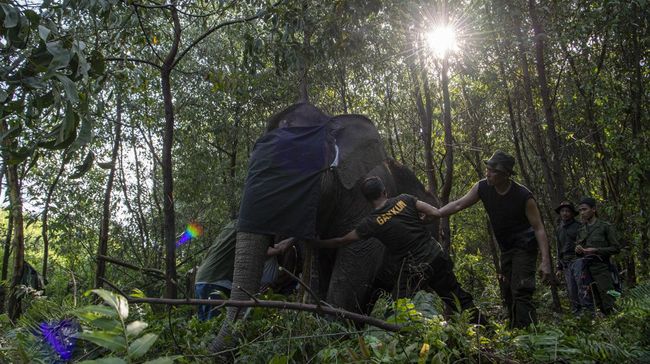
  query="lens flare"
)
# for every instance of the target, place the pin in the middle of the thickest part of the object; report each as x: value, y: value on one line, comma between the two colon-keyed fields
x: 192, y: 231
x: 60, y: 336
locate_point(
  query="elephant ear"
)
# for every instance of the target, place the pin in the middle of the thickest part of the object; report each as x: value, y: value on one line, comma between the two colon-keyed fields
x: 359, y: 145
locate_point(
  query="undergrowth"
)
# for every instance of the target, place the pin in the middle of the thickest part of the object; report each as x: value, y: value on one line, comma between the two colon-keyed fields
x: 113, y: 332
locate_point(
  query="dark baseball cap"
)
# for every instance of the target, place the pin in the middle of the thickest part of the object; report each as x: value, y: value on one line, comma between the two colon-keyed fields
x: 590, y: 201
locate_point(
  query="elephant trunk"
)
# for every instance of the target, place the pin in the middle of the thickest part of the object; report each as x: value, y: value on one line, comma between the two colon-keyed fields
x: 250, y: 254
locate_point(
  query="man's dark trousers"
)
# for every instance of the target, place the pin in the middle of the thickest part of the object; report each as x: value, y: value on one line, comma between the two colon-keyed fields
x: 518, y: 269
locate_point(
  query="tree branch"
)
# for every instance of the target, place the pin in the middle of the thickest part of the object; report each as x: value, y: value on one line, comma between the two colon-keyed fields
x: 151, y: 271
x: 282, y: 305
x: 144, y: 32
x: 136, y: 60
x: 219, y: 26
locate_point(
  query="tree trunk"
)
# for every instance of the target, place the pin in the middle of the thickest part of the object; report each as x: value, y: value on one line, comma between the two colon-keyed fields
x: 13, y: 304
x: 167, y: 165
x: 557, y: 193
x: 534, y: 123
x: 304, y: 60
x: 424, y: 105
x: 102, y: 248
x: 5, y: 260
x: 44, y: 220
x: 445, y: 229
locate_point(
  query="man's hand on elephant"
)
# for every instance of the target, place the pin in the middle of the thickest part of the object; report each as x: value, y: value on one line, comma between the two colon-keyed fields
x: 280, y: 247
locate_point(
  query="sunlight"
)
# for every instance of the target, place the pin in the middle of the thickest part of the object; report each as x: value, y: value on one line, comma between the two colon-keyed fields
x: 442, y: 40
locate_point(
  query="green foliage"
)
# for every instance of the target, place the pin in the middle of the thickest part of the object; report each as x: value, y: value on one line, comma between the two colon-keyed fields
x: 106, y: 327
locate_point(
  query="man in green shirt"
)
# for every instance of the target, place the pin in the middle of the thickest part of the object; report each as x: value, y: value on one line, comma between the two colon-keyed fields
x: 214, y: 275
x: 595, y: 243
x: 566, y: 235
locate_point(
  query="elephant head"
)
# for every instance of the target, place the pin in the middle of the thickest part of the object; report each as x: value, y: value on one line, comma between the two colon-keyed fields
x: 303, y: 181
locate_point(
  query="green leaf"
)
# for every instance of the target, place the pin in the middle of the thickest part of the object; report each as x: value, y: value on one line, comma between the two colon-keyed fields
x: 119, y: 303
x: 67, y: 130
x: 96, y: 310
x: 113, y: 342
x: 135, y: 328
x: 109, y: 360
x: 33, y: 18
x: 70, y: 88
x: 60, y: 56
x: 97, y: 63
x: 11, y: 15
x: 140, y: 346
x: 19, y: 155
x: 82, y: 169
x: 164, y: 360
x: 105, y: 165
x: 85, y: 135
x: 43, y: 32
x: 12, y: 133
x: 107, y: 324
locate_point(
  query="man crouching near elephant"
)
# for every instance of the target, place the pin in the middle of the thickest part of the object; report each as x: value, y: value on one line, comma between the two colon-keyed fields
x: 410, y: 247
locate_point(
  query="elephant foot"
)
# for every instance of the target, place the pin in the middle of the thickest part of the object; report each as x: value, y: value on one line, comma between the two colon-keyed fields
x: 222, y: 347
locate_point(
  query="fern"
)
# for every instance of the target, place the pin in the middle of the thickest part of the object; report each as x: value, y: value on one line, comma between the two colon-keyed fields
x: 637, y: 299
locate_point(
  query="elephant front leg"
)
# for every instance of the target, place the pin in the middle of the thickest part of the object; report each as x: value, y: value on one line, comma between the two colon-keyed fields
x: 353, y: 274
x: 250, y: 254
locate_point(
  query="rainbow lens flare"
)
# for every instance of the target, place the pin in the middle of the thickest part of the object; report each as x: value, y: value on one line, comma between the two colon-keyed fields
x: 192, y: 231
x: 60, y: 336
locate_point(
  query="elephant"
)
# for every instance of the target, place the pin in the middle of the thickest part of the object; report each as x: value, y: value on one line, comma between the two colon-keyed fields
x: 327, y: 157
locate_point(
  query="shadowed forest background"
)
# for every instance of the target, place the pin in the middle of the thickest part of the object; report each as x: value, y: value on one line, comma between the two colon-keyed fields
x: 121, y: 122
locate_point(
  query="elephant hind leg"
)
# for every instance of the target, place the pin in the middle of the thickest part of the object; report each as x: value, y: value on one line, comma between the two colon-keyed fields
x: 250, y: 254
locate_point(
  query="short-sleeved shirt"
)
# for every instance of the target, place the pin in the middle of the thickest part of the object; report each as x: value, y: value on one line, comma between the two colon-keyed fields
x: 398, y: 226
x: 219, y: 262
x: 507, y: 212
x: 600, y: 235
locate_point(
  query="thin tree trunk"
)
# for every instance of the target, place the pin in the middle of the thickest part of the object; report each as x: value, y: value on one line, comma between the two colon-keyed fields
x: 5, y: 260
x: 304, y: 65
x: 167, y: 165
x: 557, y: 193
x: 13, y: 304
x: 142, y: 221
x: 102, y: 248
x: 534, y: 123
x: 449, y: 155
x: 44, y: 219
x: 423, y: 103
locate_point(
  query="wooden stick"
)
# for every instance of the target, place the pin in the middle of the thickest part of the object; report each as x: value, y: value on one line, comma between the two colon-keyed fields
x: 322, y: 310
x: 151, y: 271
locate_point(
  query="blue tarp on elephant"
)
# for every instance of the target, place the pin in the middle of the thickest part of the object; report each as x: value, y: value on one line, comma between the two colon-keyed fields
x: 282, y: 188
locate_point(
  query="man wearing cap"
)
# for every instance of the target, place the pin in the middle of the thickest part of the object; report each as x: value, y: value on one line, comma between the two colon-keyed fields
x: 566, y: 234
x: 596, y: 242
x: 519, y: 230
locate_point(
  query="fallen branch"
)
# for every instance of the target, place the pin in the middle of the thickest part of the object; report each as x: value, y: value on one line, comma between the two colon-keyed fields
x: 151, y: 271
x: 282, y: 305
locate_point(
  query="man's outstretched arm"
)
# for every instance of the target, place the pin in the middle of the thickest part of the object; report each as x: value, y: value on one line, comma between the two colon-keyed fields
x: 462, y: 203
x: 344, y: 240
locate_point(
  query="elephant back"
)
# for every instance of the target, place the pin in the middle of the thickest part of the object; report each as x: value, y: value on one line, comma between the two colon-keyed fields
x: 297, y: 115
